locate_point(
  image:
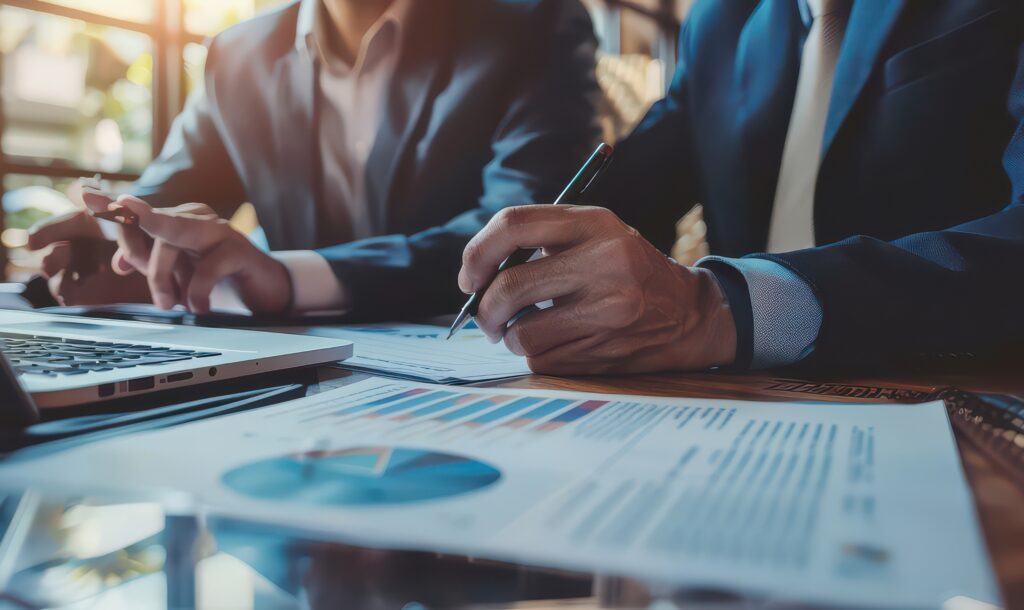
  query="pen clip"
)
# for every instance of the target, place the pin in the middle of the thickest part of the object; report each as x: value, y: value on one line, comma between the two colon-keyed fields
x: 597, y: 173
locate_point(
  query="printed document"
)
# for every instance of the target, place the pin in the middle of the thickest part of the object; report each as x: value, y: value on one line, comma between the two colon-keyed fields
x: 851, y: 504
x: 420, y: 352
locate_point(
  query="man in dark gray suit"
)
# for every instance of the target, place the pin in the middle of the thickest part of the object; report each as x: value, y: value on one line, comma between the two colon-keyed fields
x: 374, y: 138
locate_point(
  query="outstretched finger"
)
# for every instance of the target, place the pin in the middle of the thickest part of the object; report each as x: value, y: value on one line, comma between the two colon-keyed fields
x: 186, y: 230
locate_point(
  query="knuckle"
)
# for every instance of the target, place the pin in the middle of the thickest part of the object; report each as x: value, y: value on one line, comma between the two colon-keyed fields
x: 198, y: 209
x: 625, y: 245
x: 472, y: 254
x: 485, y: 320
x: 605, y: 215
x: 510, y: 217
x: 513, y: 340
x: 599, y: 217
x: 623, y: 309
x: 515, y: 220
x: 617, y: 257
x: 510, y: 283
x: 227, y: 235
x: 617, y: 350
x: 541, y: 365
x: 523, y: 339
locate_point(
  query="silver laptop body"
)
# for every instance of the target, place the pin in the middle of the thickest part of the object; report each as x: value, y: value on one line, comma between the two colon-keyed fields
x: 64, y: 360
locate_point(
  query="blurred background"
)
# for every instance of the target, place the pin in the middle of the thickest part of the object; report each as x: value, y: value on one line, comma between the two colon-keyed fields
x: 91, y: 86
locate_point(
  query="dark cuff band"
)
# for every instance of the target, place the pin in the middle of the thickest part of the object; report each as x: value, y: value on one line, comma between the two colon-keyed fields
x: 736, y: 292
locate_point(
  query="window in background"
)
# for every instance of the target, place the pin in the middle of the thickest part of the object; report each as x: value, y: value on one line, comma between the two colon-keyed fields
x: 209, y: 18
x: 141, y: 11
x: 91, y: 86
x: 75, y: 94
x: 194, y: 62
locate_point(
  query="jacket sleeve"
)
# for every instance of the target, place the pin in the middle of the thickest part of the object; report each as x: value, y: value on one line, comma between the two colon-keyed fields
x: 951, y: 295
x: 194, y: 164
x: 653, y: 178
x: 546, y: 131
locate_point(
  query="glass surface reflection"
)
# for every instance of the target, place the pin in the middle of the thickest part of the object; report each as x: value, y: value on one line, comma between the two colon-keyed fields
x: 154, y: 552
x: 57, y: 554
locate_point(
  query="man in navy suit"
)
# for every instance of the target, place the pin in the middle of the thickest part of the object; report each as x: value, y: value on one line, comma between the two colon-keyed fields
x: 373, y: 137
x: 861, y: 167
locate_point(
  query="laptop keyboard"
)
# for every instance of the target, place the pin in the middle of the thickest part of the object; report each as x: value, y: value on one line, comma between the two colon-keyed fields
x: 53, y: 356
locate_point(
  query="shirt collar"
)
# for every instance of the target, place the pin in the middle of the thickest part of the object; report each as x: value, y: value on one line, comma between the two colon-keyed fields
x: 808, y: 8
x: 805, y: 12
x: 306, y: 22
x: 309, y: 16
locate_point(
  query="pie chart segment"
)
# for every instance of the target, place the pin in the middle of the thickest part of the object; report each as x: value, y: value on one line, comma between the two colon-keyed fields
x: 361, y: 476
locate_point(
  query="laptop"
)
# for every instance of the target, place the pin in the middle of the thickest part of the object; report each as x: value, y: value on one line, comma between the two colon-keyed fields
x: 64, y: 360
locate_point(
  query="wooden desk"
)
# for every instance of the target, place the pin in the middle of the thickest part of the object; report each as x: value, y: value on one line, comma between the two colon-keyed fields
x: 1000, y: 503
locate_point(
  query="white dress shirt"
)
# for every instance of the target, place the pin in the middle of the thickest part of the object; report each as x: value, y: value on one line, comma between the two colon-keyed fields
x: 349, y: 98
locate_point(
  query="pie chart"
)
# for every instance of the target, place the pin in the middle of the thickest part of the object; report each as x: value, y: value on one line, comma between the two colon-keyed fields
x: 361, y: 476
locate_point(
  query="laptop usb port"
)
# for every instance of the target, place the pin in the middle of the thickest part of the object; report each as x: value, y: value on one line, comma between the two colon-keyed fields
x: 146, y: 383
x: 179, y: 377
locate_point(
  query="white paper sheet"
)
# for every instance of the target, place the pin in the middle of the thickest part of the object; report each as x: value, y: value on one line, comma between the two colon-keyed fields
x: 420, y: 352
x: 842, y: 504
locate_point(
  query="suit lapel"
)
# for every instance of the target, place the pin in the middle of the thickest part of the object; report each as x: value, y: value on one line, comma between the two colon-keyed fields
x: 296, y: 151
x: 871, y: 23
x: 425, y: 51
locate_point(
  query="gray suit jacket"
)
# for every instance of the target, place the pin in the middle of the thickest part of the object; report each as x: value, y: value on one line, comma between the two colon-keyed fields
x: 492, y: 104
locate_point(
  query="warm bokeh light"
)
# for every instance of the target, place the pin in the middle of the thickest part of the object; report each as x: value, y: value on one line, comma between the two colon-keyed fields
x: 76, y: 92
x: 208, y: 18
x: 130, y: 10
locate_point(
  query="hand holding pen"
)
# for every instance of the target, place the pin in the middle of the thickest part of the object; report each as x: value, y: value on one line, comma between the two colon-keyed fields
x: 619, y: 304
x: 570, y: 195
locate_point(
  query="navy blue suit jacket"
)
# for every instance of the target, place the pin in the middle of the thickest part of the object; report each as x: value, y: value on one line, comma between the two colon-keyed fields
x: 492, y: 104
x: 925, y: 133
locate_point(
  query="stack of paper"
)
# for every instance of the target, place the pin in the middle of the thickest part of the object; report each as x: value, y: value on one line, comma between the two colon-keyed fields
x: 854, y: 505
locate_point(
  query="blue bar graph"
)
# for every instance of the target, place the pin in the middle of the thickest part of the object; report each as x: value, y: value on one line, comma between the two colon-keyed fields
x: 512, y: 407
x: 412, y: 402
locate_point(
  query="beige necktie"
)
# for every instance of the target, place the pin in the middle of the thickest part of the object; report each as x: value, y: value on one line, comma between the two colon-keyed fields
x: 792, y: 223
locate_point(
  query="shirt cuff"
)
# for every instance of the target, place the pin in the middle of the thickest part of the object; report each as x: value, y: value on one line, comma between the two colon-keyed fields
x: 785, y: 313
x: 315, y: 288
